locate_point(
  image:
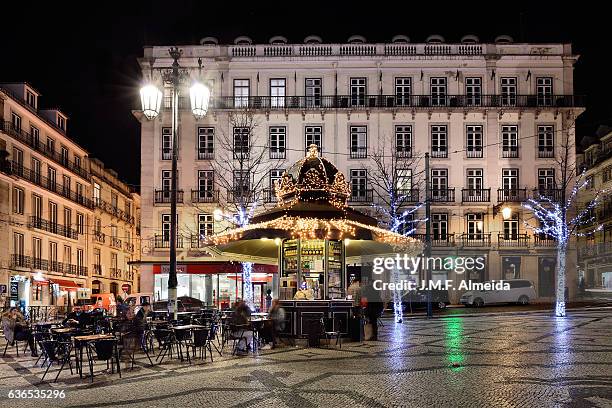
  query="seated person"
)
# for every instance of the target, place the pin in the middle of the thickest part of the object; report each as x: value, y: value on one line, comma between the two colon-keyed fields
x: 14, y: 320
x: 242, y: 317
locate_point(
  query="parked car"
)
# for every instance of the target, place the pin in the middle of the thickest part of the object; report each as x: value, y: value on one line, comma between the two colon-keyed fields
x: 104, y: 301
x: 417, y: 299
x: 521, y: 292
x: 184, y: 304
x: 137, y: 299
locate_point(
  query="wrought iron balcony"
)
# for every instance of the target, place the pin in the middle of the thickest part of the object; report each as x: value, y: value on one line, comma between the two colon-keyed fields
x: 359, y: 152
x: 541, y: 240
x: 513, y: 240
x: 52, y: 227
x: 99, y: 237
x: 113, y: 210
x: 546, y: 152
x: 23, y: 261
x: 362, y: 196
x: 552, y: 194
x: 206, y: 153
x: 277, y: 153
x: 475, y: 195
x: 204, y: 196
x: 367, y: 102
x: 115, y: 273
x: 403, y: 152
x: 34, y: 143
x: 442, y: 195
x: 408, y: 195
x: 16, y: 169
x: 476, y: 240
x: 437, y: 240
x: 512, y: 195
x: 240, y: 195
x: 595, y: 249
x: 474, y: 152
x: 510, y: 152
x: 163, y: 241
x: 440, y: 153
x: 269, y: 195
x: 196, y: 242
x: 115, y: 242
x: 96, y: 269
x: 164, y: 196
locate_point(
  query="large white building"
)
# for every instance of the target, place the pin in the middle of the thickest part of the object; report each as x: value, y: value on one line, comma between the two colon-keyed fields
x: 489, y: 114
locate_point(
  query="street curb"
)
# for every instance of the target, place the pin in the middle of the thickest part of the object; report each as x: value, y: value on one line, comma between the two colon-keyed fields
x: 497, y: 314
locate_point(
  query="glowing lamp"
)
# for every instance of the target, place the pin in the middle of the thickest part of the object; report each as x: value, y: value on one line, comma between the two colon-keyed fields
x: 150, y: 99
x: 199, y: 95
x: 506, y: 213
x: 218, y: 214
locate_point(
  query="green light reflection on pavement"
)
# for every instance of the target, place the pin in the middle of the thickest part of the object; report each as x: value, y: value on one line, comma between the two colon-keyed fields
x: 454, y: 342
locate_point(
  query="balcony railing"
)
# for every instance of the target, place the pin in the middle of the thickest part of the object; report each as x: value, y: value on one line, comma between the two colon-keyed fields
x: 195, y: 242
x: 510, y: 152
x: 359, y: 152
x: 513, y: 195
x: 443, y: 195
x: 206, y: 154
x: 367, y: 102
x: 14, y: 168
x: 408, y: 195
x: 269, y: 195
x: 439, y: 154
x: 474, y: 153
x: 23, y: 261
x: 35, y: 143
x: 544, y: 241
x: 164, y: 196
x: 162, y: 241
x: 128, y: 275
x: 239, y: 195
x: 129, y: 247
x: 99, y: 237
x: 403, y: 152
x: 475, y: 195
x: 362, y: 196
x: 595, y: 249
x: 115, y: 242
x: 96, y: 270
x: 476, y: 240
x: 115, y: 273
x: 204, y: 196
x: 552, y: 194
x: 546, y: 152
x: 54, y: 228
x: 277, y: 152
x: 513, y: 240
x: 113, y: 210
x: 437, y: 240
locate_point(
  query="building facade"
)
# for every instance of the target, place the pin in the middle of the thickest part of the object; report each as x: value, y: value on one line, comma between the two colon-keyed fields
x: 490, y: 115
x: 115, y: 242
x: 595, y: 250
x: 47, y: 210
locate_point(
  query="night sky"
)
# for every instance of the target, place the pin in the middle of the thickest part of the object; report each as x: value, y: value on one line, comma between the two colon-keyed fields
x: 82, y: 56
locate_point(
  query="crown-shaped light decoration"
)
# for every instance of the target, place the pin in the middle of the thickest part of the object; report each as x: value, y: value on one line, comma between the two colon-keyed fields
x: 312, y: 179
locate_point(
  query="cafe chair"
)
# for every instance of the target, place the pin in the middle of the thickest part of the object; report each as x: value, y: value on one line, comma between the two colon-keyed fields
x: 56, y: 353
x: 39, y: 337
x: 329, y: 333
x: 103, y: 350
x: 199, y: 341
x: 9, y: 336
x: 165, y: 342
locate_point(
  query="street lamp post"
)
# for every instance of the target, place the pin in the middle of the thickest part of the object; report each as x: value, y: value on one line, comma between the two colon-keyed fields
x: 151, y: 98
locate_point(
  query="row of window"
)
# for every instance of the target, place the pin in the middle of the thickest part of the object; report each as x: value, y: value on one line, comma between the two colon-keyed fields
x: 403, y: 90
x: 37, y: 250
x: 358, y: 180
x: 114, y: 199
x: 114, y: 261
x: 18, y: 204
x: 358, y: 141
x: 49, y: 145
x: 439, y: 224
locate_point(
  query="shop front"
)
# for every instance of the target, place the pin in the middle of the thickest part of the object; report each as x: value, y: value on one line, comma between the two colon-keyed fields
x: 216, y: 284
x: 37, y: 290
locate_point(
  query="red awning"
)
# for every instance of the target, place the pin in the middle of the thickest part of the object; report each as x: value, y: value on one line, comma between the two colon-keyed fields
x: 66, y: 284
x: 214, y: 268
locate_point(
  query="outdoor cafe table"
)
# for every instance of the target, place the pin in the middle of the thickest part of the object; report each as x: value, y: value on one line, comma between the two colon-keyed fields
x: 190, y: 327
x: 62, y: 330
x: 80, y: 341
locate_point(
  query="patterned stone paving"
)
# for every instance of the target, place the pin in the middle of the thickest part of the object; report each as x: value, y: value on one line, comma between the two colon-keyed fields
x: 501, y: 361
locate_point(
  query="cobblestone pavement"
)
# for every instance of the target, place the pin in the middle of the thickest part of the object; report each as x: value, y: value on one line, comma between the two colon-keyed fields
x: 500, y: 361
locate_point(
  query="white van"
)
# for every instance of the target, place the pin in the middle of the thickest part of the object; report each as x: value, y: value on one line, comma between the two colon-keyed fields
x: 521, y: 291
x: 137, y: 299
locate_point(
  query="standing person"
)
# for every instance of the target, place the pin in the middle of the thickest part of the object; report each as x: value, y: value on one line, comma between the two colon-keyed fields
x: 268, y: 299
x: 373, y: 311
x: 277, y: 316
x: 21, y: 331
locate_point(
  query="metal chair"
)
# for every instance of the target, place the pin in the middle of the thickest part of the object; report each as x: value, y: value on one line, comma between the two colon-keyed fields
x: 58, y: 353
x: 328, y: 333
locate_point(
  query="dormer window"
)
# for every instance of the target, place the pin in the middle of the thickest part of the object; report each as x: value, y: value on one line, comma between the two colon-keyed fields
x: 31, y: 99
x: 61, y: 122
